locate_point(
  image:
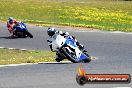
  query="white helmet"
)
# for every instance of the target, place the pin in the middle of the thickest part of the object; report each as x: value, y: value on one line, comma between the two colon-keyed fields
x: 51, y: 31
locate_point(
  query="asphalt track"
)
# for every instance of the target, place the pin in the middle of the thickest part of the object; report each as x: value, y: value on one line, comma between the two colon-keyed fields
x: 113, y: 52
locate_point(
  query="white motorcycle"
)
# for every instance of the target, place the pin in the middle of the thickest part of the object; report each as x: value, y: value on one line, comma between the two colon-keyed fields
x: 67, y: 49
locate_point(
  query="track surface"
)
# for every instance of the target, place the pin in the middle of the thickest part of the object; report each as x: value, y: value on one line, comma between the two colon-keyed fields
x: 113, y: 52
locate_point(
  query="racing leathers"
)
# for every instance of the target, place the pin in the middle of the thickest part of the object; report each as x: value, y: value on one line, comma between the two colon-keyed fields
x: 10, y: 25
x: 59, y: 57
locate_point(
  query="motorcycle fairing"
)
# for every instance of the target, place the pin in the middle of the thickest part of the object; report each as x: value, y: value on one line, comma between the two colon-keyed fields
x: 80, y: 56
x: 21, y: 27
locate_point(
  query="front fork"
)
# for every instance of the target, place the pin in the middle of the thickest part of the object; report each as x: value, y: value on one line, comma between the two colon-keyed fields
x: 59, y: 56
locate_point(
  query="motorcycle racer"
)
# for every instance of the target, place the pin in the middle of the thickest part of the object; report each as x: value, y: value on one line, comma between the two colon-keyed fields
x: 10, y: 23
x: 51, y: 32
x: 17, y: 28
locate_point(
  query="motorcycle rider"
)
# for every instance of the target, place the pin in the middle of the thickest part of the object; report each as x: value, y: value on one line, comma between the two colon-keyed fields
x: 51, y: 32
x: 10, y: 24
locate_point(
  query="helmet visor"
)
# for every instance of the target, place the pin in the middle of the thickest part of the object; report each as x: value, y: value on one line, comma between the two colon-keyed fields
x: 10, y: 21
x: 51, y: 33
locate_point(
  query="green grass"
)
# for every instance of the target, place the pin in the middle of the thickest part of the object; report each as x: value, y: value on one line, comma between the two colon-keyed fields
x: 17, y: 56
x: 111, y: 15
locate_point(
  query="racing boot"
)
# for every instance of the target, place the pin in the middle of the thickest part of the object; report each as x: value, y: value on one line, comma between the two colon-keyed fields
x: 59, y: 57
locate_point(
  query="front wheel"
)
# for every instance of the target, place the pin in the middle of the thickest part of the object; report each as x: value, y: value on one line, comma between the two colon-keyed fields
x: 88, y: 59
x: 29, y: 34
x: 69, y: 55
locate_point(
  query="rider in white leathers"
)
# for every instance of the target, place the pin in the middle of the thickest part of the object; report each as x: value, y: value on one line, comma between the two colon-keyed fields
x: 51, y: 32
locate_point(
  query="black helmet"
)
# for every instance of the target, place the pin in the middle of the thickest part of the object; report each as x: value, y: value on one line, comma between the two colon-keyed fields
x: 10, y: 19
x: 51, y: 31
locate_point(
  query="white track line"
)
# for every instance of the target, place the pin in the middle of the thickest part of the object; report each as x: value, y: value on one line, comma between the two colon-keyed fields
x: 121, y: 87
x: 16, y: 49
x: 17, y: 64
x: 11, y: 65
x: 3, y: 48
x: 55, y: 62
x: 23, y: 49
x: 11, y: 48
x: 113, y: 32
x: 119, y: 32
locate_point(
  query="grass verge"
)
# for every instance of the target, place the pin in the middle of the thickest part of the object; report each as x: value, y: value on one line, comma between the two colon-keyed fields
x: 8, y: 56
x: 111, y: 15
